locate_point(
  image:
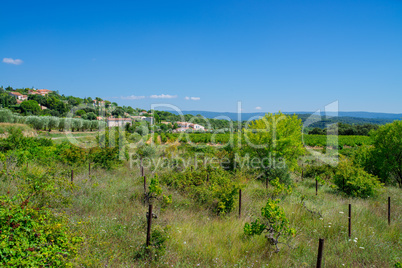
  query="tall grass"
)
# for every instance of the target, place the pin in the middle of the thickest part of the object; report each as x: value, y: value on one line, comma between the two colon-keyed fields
x: 107, y: 210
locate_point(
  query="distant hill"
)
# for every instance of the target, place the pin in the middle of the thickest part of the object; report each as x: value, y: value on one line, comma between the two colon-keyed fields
x: 344, y: 117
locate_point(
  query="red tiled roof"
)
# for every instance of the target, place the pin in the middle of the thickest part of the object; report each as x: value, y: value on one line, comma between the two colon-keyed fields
x: 16, y: 93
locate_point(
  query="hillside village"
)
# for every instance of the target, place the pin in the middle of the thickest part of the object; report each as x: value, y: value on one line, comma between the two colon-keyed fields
x: 44, y: 102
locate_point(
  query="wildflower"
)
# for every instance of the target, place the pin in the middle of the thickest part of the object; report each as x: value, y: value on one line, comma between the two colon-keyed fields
x: 185, y: 242
x: 361, y: 247
x: 341, y: 212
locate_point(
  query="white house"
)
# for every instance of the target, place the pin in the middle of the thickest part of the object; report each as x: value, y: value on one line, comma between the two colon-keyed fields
x: 18, y: 96
x: 118, y: 122
x: 186, y: 125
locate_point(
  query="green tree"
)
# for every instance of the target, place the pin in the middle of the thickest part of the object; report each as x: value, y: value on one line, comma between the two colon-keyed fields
x: 30, y: 107
x: 94, y: 124
x: 53, y: 123
x: 91, y: 116
x: 80, y: 112
x: 6, y: 116
x: 276, y: 140
x: 118, y: 112
x: 76, y: 124
x: 354, y: 181
x: 387, y: 151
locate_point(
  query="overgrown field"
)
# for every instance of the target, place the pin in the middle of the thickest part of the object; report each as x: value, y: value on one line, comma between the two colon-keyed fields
x: 81, y: 205
x: 106, y: 209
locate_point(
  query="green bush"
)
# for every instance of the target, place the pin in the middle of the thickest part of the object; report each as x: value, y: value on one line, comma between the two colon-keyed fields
x: 324, y: 170
x: 157, y: 247
x: 273, y: 221
x: 280, y: 173
x: 354, y: 181
x: 34, y: 237
x: 219, y: 192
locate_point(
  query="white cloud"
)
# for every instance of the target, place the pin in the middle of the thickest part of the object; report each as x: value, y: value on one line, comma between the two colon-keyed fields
x: 12, y: 61
x: 192, y: 98
x: 258, y: 108
x: 163, y: 96
x: 132, y: 97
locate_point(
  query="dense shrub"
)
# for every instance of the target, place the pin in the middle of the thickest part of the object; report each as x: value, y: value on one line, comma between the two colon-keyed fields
x: 323, y: 170
x: 218, y: 192
x: 33, y: 236
x: 16, y: 140
x: 278, y: 172
x: 354, y: 181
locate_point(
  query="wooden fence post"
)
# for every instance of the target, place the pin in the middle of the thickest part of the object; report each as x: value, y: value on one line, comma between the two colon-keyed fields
x: 320, y: 250
x: 389, y: 210
x: 145, y: 184
x: 316, y: 186
x: 72, y: 176
x: 142, y: 169
x: 149, y: 225
x: 350, y: 220
x: 239, y: 203
x: 89, y: 168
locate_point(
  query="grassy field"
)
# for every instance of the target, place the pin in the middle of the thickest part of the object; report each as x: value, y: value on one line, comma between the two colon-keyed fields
x: 27, y: 130
x: 107, y: 210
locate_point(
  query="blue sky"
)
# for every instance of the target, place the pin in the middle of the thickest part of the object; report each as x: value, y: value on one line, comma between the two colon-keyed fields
x: 270, y: 55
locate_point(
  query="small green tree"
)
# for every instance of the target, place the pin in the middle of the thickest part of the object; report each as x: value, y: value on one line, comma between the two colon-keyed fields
x: 273, y: 221
x: 45, y: 121
x: 53, y: 122
x: 94, y: 124
x: 86, y: 124
x: 354, y: 181
x: 76, y: 124
x: 276, y: 141
x: 6, y: 116
x: 62, y: 123
x: 387, y: 153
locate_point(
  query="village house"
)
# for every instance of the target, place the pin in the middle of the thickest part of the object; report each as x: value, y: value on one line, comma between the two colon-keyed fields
x: 184, y: 126
x: 42, y: 92
x: 20, y: 97
x: 118, y: 122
